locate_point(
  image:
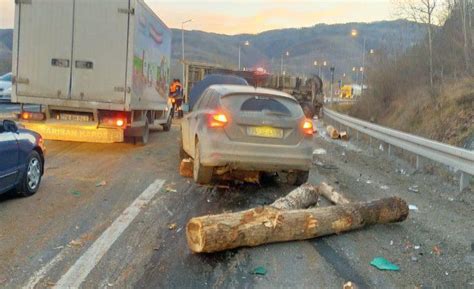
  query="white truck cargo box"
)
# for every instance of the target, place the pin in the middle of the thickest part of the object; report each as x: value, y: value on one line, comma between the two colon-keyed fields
x: 90, y: 62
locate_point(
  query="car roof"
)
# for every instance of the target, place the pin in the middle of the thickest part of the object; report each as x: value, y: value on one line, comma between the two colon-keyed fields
x: 226, y: 89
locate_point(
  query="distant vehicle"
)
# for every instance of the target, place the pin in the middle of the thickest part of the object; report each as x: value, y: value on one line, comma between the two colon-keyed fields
x: 22, y: 159
x: 211, y: 79
x: 101, y: 75
x: 247, y: 128
x: 347, y: 92
x: 307, y: 91
x: 6, y: 87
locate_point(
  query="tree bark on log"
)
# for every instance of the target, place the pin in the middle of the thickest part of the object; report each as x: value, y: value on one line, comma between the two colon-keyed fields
x: 329, y: 193
x: 302, y: 197
x: 263, y: 225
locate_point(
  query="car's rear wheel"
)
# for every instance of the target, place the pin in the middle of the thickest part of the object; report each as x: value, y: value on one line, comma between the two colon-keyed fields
x: 182, y: 153
x: 302, y: 177
x: 202, y: 175
x: 297, y: 178
x: 31, y: 179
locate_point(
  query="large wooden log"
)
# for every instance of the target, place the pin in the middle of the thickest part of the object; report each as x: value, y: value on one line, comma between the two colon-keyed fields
x: 329, y: 193
x: 333, y: 133
x: 268, y: 225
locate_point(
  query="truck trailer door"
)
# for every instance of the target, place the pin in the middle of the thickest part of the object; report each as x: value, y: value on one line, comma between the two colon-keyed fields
x: 44, y: 48
x: 100, y: 50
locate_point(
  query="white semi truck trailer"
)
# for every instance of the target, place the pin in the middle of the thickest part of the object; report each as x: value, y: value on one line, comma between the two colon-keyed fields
x: 99, y: 70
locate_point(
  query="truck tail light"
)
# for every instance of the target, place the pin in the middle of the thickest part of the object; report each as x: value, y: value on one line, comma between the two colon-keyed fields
x: 308, y: 127
x: 27, y: 115
x: 114, y: 122
x: 119, y: 122
x: 217, y: 120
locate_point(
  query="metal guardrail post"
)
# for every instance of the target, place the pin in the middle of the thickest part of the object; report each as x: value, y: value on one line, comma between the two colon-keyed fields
x: 418, y: 162
x: 464, y: 181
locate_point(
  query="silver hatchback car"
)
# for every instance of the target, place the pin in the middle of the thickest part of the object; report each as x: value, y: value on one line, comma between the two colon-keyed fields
x: 250, y: 129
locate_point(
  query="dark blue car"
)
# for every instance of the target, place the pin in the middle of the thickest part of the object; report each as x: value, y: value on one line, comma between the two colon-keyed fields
x: 21, y: 159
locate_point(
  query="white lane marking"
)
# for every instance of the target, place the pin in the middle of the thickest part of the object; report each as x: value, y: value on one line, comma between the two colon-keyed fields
x: 84, y: 265
x: 40, y: 274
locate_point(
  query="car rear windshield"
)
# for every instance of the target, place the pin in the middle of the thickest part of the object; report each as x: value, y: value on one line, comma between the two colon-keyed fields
x: 265, y: 104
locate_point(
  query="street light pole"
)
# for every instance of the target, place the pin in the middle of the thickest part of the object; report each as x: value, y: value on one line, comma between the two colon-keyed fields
x: 182, y: 59
x: 239, y: 55
x: 363, y: 70
x: 246, y: 43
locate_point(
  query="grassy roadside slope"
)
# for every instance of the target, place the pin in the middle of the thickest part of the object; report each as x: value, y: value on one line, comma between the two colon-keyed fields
x: 448, y: 118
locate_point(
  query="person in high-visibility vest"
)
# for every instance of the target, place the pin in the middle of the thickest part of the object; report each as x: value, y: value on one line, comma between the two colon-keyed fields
x: 176, y: 95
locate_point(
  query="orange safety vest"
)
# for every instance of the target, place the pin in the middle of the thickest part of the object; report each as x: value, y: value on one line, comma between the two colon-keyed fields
x: 173, y: 87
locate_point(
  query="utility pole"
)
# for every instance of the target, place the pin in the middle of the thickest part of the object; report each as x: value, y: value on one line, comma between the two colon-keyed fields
x: 185, y: 84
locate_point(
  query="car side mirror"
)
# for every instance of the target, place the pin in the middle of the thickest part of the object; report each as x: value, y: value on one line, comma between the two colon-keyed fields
x: 10, y: 126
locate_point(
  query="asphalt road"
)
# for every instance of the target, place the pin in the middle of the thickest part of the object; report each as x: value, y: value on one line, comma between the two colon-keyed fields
x: 102, y: 215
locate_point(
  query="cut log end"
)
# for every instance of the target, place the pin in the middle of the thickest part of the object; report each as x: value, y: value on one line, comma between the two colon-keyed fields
x: 186, y: 168
x: 194, y: 236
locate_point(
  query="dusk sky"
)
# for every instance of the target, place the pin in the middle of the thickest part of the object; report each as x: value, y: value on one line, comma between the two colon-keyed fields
x: 252, y: 16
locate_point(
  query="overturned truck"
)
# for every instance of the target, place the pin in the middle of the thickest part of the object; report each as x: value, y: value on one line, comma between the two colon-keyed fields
x: 307, y: 90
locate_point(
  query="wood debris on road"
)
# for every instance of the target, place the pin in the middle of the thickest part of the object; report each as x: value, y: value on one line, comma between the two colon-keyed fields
x: 287, y: 220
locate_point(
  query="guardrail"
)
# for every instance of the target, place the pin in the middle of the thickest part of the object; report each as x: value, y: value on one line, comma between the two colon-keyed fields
x: 461, y: 160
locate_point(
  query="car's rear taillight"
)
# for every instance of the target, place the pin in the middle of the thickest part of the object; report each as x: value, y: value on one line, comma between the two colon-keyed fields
x: 27, y: 115
x: 308, y: 127
x: 217, y: 120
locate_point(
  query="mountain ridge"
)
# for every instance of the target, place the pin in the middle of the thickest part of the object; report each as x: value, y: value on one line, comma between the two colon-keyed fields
x: 321, y: 42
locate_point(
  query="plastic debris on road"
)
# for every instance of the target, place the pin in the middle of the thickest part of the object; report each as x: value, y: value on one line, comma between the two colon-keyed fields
x: 260, y: 270
x: 384, y: 187
x: 436, y: 250
x: 76, y: 193
x: 412, y: 208
x: 75, y: 243
x: 101, y: 184
x: 383, y: 264
x: 413, y: 189
x: 349, y: 285
x: 319, y: 152
x: 172, y: 226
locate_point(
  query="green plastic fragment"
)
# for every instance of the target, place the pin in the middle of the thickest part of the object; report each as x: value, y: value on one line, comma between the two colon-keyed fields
x: 76, y: 193
x: 260, y: 270
x: 383, y: 264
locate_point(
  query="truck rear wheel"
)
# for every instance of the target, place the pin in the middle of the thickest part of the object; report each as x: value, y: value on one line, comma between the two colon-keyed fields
x: 169, y: 121
x: 143, y: 139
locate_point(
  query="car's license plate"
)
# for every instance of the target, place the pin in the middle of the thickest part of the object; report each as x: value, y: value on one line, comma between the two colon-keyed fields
x: 265, y: 131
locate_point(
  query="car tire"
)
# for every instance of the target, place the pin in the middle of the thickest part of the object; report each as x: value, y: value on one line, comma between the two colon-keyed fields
x: 31, y: 179
x: 182, y: 153
x: 302, y: 177
x: 201, y: 174
x: 143, y: 139
x: 169, y: 122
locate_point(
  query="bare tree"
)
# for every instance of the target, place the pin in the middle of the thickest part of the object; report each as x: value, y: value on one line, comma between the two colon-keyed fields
x: 465, y: 17
x: 422, y: 11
